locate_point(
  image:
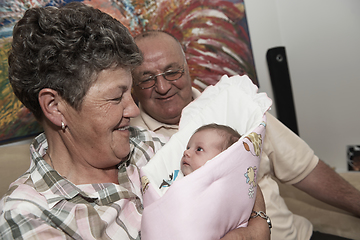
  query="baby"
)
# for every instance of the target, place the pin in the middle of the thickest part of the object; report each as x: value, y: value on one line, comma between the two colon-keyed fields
x: 207, y: 142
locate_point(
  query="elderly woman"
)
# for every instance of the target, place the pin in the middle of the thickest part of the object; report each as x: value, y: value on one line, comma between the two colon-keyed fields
x: 71, y: 66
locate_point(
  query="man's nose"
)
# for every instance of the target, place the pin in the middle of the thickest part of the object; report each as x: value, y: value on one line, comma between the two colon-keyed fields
x: 162, y: 85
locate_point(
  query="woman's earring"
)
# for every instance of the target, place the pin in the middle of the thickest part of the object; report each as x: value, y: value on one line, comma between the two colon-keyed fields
x: 62, y: 125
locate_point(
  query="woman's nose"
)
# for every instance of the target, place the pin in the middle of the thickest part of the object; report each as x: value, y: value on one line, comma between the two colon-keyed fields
x: 131, y: 110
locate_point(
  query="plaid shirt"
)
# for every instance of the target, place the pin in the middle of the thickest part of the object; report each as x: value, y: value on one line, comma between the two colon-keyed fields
x: 43, y: 205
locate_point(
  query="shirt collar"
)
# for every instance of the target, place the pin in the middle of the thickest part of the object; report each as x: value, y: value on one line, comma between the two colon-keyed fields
x: 46, y: 180
x: 55, y: 188
x: 153, y: 124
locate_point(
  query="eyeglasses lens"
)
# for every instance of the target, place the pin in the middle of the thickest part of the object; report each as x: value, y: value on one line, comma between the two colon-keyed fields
x: 169, y: 76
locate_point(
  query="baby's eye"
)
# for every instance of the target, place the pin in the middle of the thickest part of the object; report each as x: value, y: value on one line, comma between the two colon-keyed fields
x: 199, y: 149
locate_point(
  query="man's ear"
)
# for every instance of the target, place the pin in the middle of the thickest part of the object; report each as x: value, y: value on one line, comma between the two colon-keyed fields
x: 49, y: 101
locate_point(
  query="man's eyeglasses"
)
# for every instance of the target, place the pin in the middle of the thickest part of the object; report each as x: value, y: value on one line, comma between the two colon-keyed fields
x: 170, y: 75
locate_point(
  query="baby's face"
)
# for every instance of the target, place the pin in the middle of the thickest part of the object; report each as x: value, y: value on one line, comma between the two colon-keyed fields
x: 202, y: 146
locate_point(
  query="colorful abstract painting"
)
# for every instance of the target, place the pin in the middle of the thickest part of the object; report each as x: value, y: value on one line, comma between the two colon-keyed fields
x: 214, y: 34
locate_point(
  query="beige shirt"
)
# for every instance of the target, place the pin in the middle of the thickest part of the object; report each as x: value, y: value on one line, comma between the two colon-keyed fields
x: 285, y: 156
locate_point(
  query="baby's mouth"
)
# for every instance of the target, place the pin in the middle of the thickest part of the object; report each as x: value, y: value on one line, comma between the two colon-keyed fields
x: 185, y: 163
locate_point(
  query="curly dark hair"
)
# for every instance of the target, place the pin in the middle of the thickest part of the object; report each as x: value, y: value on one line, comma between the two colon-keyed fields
x: 229, y: 134
x: 64, y: 49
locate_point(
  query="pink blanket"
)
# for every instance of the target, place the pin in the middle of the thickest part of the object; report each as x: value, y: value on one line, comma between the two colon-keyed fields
x: 219, y: 196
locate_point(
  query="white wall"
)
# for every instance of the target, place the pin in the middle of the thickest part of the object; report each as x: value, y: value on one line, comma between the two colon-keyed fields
x: 322, y: 41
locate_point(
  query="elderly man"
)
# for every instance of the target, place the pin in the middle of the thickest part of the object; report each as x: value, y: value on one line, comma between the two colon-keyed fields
x: 162, y: 85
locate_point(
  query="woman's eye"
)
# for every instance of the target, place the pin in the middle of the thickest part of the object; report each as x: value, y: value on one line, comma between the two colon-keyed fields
x: 117, y: 99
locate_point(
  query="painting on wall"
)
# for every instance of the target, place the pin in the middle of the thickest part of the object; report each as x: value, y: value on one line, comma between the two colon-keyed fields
x: 214, y: 34
x: 16, y: 121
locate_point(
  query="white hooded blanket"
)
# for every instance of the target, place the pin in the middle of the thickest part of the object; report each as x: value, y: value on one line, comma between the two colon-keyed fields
x: 219, y: 196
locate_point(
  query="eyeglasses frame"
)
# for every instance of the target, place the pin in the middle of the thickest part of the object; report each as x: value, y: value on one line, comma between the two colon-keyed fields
x: 154, y: 77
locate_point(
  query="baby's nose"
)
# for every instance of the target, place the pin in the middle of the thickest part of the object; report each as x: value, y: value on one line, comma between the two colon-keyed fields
x: 187, y: 153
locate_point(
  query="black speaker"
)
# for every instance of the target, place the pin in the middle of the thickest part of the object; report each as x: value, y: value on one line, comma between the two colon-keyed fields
x: 281, y: 84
